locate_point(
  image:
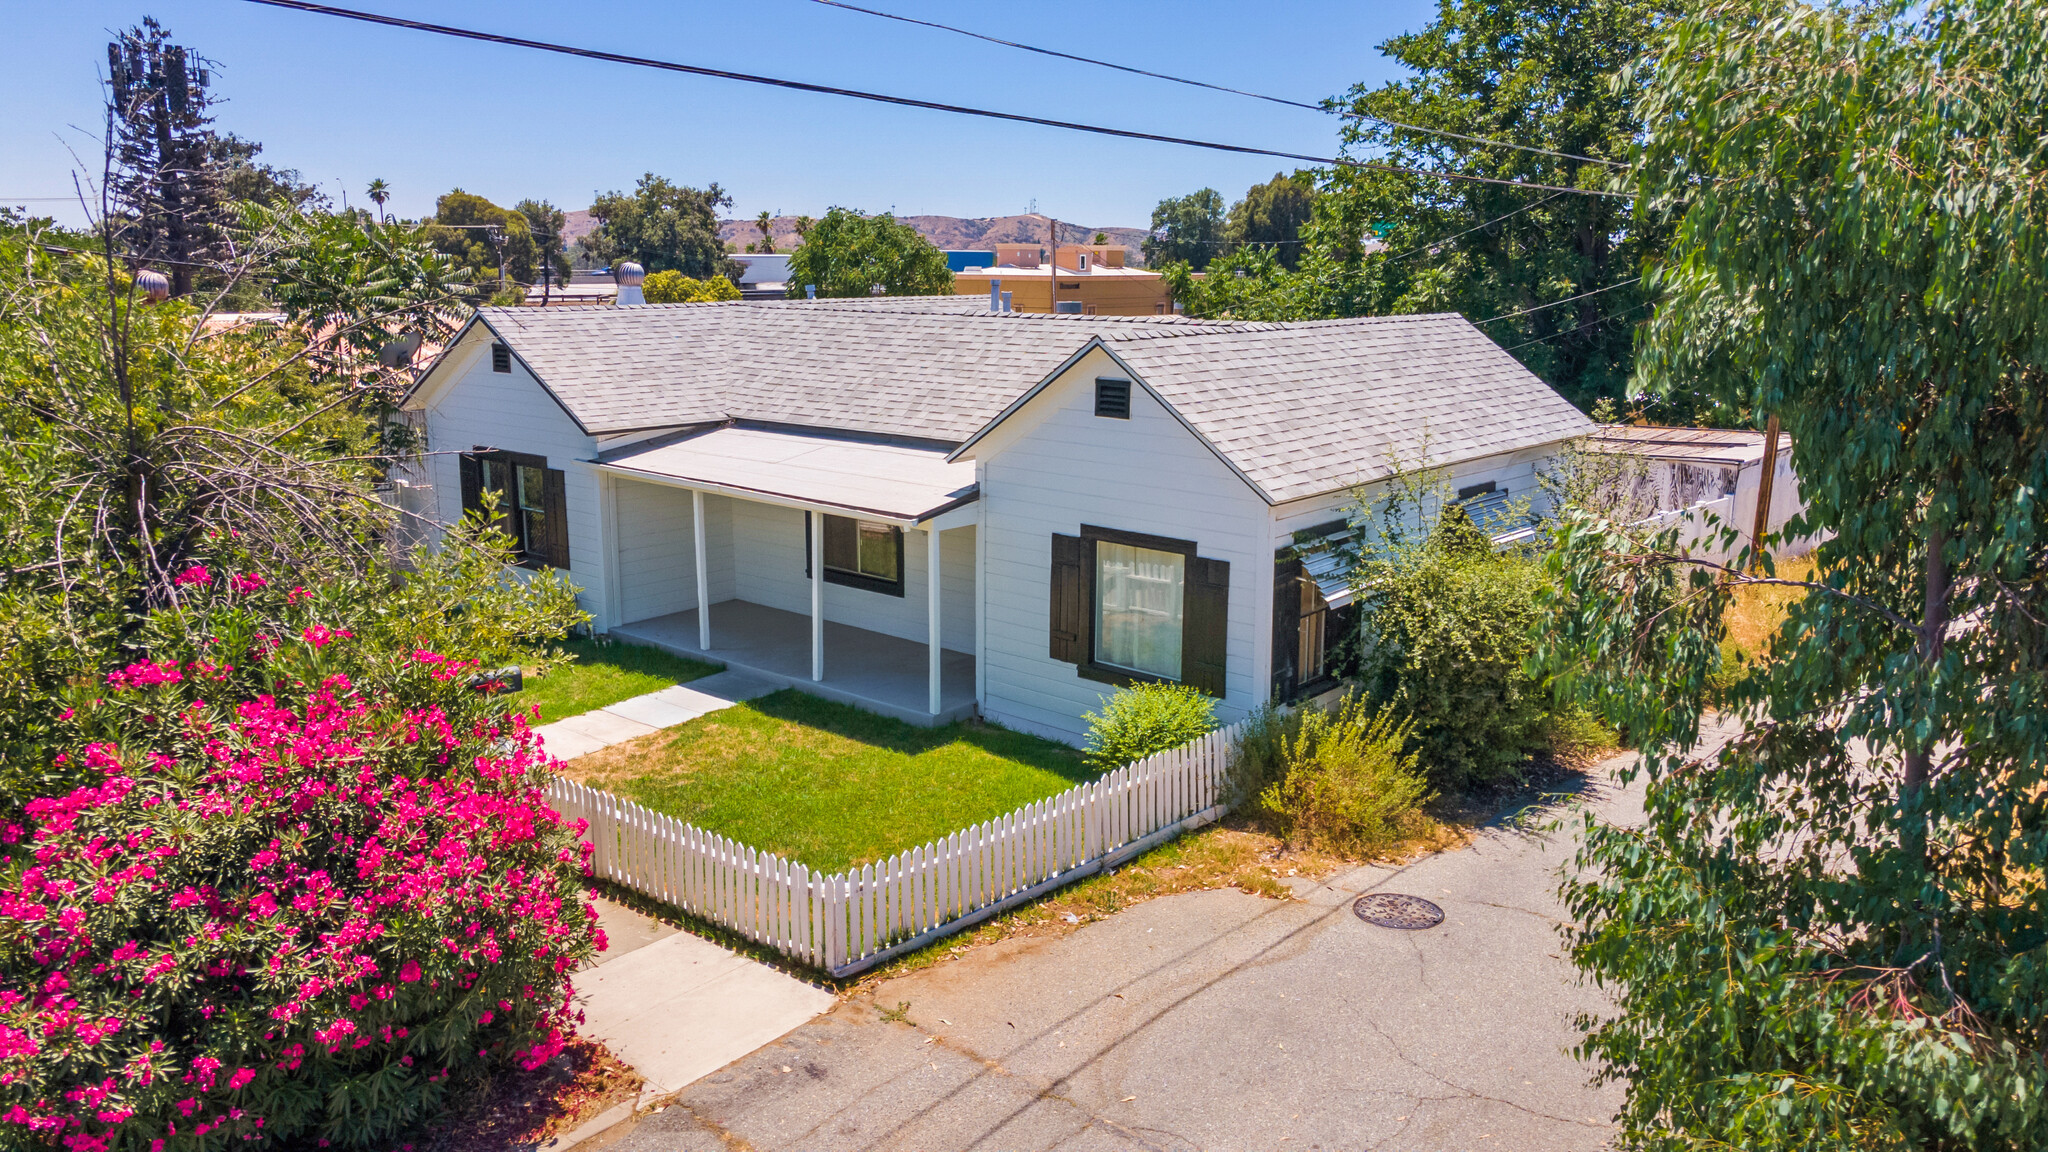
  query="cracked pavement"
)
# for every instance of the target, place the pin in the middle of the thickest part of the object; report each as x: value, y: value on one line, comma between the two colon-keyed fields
x: 1210, y: 1020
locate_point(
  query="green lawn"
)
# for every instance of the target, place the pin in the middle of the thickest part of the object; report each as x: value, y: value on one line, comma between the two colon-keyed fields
x: 606, y: 672
x: 828, y: 784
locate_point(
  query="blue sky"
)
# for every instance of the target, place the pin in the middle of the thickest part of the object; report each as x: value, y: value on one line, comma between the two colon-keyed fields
x: 345, y: 102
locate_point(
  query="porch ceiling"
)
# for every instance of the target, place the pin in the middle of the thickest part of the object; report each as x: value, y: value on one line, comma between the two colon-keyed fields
x: 887, y: 481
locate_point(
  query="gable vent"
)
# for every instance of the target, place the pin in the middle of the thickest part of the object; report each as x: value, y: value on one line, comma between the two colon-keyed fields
x: 501, y: 358
x: 1113, y: 399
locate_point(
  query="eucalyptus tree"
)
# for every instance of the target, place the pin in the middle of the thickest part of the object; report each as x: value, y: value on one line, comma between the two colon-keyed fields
x: 1832, y: 933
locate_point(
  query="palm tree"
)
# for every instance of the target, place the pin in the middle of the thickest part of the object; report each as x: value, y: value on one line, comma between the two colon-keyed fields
x: 379, y: 193
x: 766, y: 224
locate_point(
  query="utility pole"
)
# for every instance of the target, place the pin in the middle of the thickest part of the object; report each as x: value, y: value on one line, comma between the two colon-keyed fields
x: 1762, y: 523
x: 1052, y: 235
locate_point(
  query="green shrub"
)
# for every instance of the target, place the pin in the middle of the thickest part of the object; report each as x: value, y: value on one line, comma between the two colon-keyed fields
x: 1348, y: 784
x: 1446, y: 644
x: 1258, y: 756
x: 1146, y: 718
x: 672, y: 287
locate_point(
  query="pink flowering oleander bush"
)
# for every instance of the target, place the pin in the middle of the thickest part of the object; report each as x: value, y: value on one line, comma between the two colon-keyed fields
x: 291, y: 872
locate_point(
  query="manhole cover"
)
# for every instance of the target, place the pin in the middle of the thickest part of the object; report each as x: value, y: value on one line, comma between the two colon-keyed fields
x: 1392, y: 910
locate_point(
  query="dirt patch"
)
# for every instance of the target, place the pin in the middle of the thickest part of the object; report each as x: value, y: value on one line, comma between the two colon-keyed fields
x: 516, y: 1109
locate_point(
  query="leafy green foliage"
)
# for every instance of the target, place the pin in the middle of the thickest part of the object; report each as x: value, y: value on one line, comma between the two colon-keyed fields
x: 473, y: 232
x: 1146, y: 718
x: 672, y: 287
x: 846, y: 253
x: 663, y: 227
x: 1347, y: 782
x: 1832, y: 933
x: 1272, y: 215
x: 1186, y: 230
x: 1550, y: 75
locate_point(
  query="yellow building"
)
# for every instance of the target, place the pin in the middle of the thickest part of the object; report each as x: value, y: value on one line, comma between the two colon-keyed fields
x: 1089, y: 279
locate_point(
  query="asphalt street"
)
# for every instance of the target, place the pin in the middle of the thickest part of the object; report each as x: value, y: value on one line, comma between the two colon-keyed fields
x: 1211, y: 1021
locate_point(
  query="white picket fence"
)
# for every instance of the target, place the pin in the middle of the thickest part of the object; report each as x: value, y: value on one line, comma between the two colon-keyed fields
x: 852, y: 921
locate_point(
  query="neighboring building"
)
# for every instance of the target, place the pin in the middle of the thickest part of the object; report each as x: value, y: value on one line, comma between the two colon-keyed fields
x: 1709, y: 477
x: 766, y: 275
x: 585, y: 286
x: 961, y: 259
x: 1091, y: 280
x: 929, y: 510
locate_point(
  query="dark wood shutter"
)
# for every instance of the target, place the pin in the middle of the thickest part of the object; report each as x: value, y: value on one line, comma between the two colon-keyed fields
x: 472, y: 482
x: 1069, y: 614
x: 555, y: 503
x: 1205, y: 625
x: 1286, y: 628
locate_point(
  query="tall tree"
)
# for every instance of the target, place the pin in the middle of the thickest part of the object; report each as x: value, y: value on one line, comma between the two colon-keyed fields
x: 1547, y: 74
x: 163, y: 182
x: 765, y: 225
x: 473, y: 231
x: 663, y: 227
x: 1187, y: 229
x: 379, y: 193
x: 848, y: 253
x: 245, y: 178
x: 1833, y: 932
x: 1272, y: 215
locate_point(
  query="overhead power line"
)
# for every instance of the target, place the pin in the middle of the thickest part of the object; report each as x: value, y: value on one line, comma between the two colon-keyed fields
x: 1212, y: 87
x: 1476, y: 227
x: 1566, y: 300
x: 1581, y: 328
x: 904, y: 101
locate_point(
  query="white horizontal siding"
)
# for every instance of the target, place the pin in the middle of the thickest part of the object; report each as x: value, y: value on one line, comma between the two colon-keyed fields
x: 1055, y: 466
x: 755, y: 552
x: 1514, y: 472
x: 510, y: 410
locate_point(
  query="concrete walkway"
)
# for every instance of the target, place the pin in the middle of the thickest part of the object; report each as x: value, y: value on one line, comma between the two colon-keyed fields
x: 677, y: 704
x: 1211, y: 1020
x: 677, y: 1006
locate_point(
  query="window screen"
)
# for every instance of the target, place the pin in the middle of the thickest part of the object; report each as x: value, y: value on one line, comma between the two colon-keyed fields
x: 1113, y: 399
x: 863, y: 554
x: 1138, y: 606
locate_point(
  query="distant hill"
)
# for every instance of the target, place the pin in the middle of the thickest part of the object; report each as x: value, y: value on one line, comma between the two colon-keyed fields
x: 944, y: 231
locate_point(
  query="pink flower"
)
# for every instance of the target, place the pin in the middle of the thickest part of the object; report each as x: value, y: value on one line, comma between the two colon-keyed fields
x: 196, y: 574
x: 248, y: 582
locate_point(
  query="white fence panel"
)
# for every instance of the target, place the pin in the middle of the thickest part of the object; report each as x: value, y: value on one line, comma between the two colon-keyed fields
x: 854, y: 920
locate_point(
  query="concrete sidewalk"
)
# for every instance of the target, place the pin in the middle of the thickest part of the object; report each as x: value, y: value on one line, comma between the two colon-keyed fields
x: 616, y: 723
x: 677, y: 1006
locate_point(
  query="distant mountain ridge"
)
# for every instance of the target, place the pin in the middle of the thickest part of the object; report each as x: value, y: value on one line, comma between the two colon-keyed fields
x: 971, y: 232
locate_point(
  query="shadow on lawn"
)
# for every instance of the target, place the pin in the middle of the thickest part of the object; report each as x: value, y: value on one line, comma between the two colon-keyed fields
x: 851, y: 723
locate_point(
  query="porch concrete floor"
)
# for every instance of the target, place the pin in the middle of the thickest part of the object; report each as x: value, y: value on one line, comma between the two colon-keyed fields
x: 884, y: 674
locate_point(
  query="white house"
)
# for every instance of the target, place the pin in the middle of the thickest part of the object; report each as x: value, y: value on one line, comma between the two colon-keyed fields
x: 932, y: 510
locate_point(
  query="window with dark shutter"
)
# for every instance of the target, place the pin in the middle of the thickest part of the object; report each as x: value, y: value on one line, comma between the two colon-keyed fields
x: 1206, y: 639
x: 501, y: 358
x: 1113, y: 399
x: 1130, y: 608
x: 531, y: 502
x: 1286, y: 624
x: 1069, y: 600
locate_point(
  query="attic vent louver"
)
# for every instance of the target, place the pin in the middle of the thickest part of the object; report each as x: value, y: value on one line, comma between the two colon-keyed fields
x: 501, y: 358
x: 1113, y: 399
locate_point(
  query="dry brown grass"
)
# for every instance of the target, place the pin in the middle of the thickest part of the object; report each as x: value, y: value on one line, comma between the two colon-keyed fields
x: 1756, y: 611
x: 1235, y: 854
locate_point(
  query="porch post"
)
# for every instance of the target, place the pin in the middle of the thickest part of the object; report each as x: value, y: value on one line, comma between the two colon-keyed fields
x: 931, y: 580
x: 703, y: 572
x: 816, y: 531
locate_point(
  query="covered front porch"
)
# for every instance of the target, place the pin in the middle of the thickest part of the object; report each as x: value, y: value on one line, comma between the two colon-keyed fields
x: 871, y: 670
x: 843, y: 567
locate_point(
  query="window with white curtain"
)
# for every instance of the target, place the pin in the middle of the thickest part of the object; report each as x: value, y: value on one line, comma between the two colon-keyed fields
x: 1138, y: 597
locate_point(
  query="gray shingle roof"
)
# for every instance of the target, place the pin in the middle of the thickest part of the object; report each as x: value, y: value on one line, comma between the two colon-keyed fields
x: 1300, y: 409
x: 1303, y: 409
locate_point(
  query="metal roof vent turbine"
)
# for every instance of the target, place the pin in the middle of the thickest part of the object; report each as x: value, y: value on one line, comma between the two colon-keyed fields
x: 628, y: 276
